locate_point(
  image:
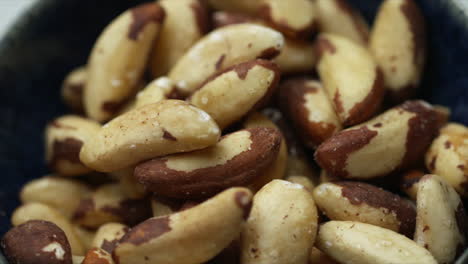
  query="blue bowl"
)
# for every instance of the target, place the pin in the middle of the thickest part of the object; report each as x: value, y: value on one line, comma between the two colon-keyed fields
x: 55, y: 36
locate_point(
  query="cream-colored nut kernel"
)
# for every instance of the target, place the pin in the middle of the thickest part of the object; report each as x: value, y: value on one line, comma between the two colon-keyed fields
x: 236, y: 160
x: 241, y: 6
x: 154, y: 130
x: 448, y: 157
x: 306, y: 104
x: 282, y: 225
x: 254, y: 82
x: 354, y: 242
x: 38, y: 211
x: 186, y: 22
x: 97, y: 256
x: 108, y: 236
x: 391, y: 141
x: 296, y: 57
x: 59, y: 193
x: 295, y: 18
x: 278, y: 169
x: 109, y: 204
x: 130, y: 187
x: 118, y: 59
x: 64, y: 138
x: 73, y: 87
x: 221, y: 49
x: 160, y: 89
x: 85, y: 236
x: 441, y: 224
x: 191, y: 236
x: 361, y: 202
x: 409, y: 182
x: 36, y: 242
x: 307, y: 182
x: 340, y: 18
x: 351, y: 78
x: 318, y: 257
x: 398, y: 43
x: 77, y: 259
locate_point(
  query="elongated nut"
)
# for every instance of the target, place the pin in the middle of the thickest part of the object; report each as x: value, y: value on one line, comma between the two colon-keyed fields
x: 163, y: 206
x: 307, y: 182
x: 297, y: 56
x: 306, y: 104
x: 398, y: 43
x: 118, y: 60
x: 354, y: 242
x: 97, y: 256
x: 108, y: 236
x: 85, y: 236
x: 221, y: 49
x: 241, y: 6
x: 442, y: 224
x: 295, y: 18
x: 38, y: 242
x: 282, y: 225
x: 158, y: 129
x: 236, y: 160
x: 356, y: 201
x: 351, y: 77
x: 73, y: 87
x: 409, y: 182
x: 340, y: 18
x: 109, y: 204
x: 38, y: 211
x: 278, y: 168
x: 391, y: 141
x: 186, y: 22
x: 160, y: 89
x: 194, y: 235
x: 254, y: 82
x: 317, y: 256
x: 448, y: 157
x: 64, y: 138
x: 59, y: 193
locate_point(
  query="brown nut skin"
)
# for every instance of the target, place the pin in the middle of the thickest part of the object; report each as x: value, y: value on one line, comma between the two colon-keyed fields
x: 186, y: 21
x: 236, y: 160
x: 109, y: 204
x: 239, y: 6
x: 294, y: 18
x: 306, y: 104
x: 398, y: 43
x: 448, y: 157
x: 191, y: 236
x: 442, y: 223
x: 351, y: 77
x: 221, y: 49
x: 72, y: 89
x: 278, y: 168
x: 108, y: 236
x: 36, y: 242
x: 64, y: 138
x: 255, y: 82
x: 97, y: 256
x: 339, y: 17
x: 391, y: 141
x: 362, y: 202
x: 118, y: 59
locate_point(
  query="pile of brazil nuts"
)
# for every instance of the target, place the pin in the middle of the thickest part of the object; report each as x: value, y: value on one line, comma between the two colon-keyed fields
x: 249, y: 132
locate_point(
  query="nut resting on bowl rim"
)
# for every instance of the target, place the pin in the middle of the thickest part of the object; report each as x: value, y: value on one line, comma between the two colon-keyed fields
x: 178, y: 126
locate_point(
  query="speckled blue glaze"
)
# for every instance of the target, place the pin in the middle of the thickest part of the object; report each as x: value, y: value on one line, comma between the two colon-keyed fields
x: 55, y: 36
